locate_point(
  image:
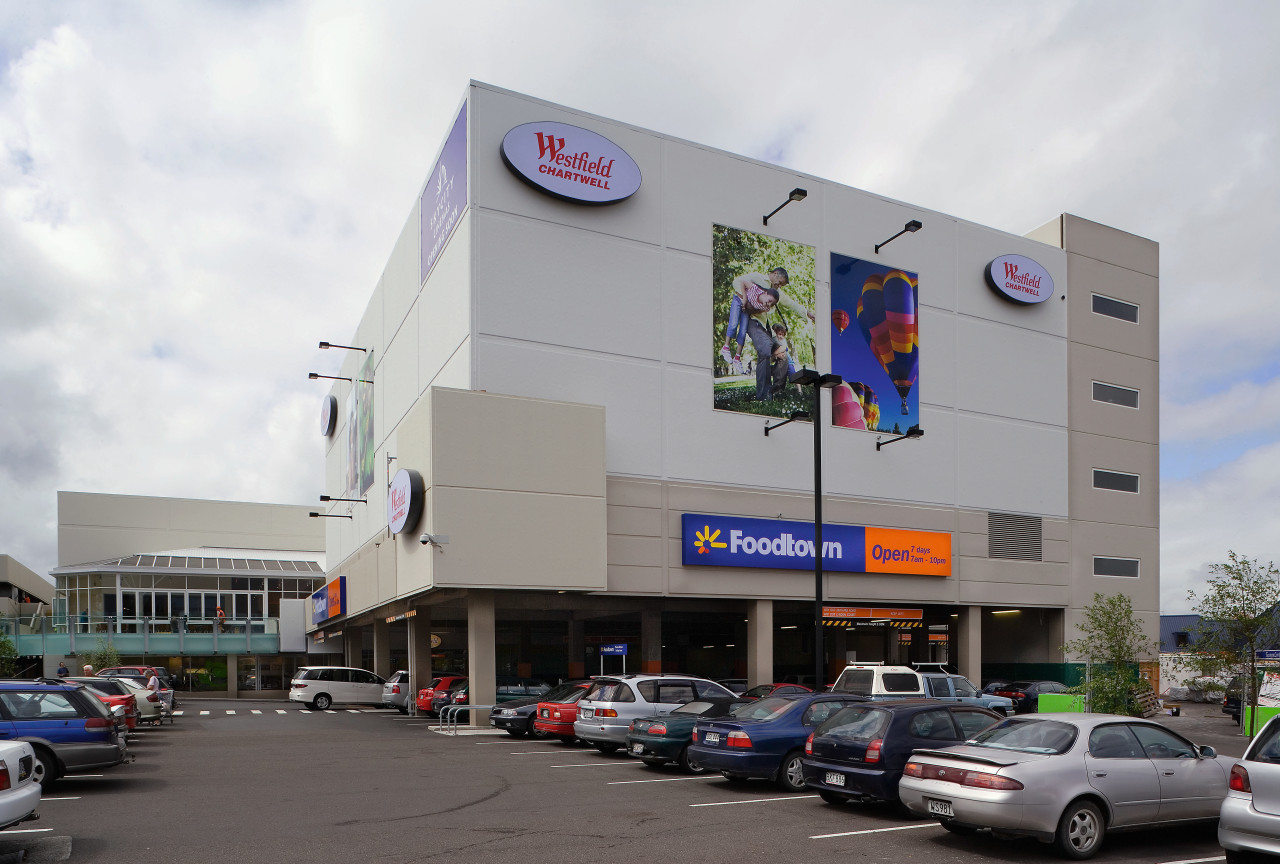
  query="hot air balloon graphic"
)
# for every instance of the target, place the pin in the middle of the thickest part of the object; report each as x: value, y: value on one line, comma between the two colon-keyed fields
x: 870, y: 408
x: 840, y: 319
x: 887, y: 317
x: 846, y: 408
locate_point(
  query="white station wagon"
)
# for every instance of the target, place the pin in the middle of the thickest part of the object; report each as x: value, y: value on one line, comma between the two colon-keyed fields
x: 323, y: 686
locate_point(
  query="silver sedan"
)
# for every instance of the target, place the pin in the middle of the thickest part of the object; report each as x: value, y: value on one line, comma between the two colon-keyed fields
x: 1251, y: 811
x: 1067, y: 779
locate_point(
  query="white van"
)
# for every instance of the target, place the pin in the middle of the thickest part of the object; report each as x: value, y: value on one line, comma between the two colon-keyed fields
x: 322, y: 686
x: 880, y: 682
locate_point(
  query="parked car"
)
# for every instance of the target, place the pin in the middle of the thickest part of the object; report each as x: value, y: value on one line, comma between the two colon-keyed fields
x: 606, y: 711
x: 880, y: 682
x: 428, y: 693
x: 150, y: 710
x: 858, y: 754
x: 665, y: 738
x: 455, y: 694
x: 992, y: 686
x: 957, y: 688
x: 113, y: 693
x: 1250, y: 816
x: 766, y: 740
x: 1026, y: 694
x: 138, y: 673
x: 324, y: 686
x: 762, y: 690
x: 556, y: 716
x: 1234, y: 693
x: 396, y: 692
x: 68, y: 728
x: 733, y: 685
x: 19, y: 791
x: 1067, y: 779
x: 518, y: 717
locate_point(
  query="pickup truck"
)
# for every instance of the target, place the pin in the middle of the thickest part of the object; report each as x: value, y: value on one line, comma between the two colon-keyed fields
x: 957, y: 688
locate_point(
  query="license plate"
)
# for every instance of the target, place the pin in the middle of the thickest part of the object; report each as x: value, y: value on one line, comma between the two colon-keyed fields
x: 588, y: 713
x: 939, y: 808
x: 637, y: 749
x: 834, y: 778
x: 712, y: 738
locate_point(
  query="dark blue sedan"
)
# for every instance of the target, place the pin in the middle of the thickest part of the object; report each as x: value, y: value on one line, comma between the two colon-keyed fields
x: 765, y: 740
x: 859, y: 752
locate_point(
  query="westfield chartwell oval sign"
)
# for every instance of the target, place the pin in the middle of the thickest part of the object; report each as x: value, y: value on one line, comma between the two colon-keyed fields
x: 1020, y: 279
x: 570, y: 163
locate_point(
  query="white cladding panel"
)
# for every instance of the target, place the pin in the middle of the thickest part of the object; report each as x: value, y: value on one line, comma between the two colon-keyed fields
x: 612, y: 306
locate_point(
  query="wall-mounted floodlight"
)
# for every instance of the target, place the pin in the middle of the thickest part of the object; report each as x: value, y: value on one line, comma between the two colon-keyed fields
x: 913, y: 432
x: 910, y: 228
x: 348, y: 347
x: 795, y: 415
x: 314, y: 375
x: 797, y: 194
x: 352, y: 500
x: 314, y: 515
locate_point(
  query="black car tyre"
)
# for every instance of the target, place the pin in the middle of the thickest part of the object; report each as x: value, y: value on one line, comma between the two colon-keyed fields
x: 45, y: 768
x: 535, y: 732
x: 404, y: 709
x: 687, y: 765
x: 321, y: 702
x: 957, y: 829
x: 832, y: 797
x: 791, y: 772
x: 607, y: 748
x: 1080, y: 830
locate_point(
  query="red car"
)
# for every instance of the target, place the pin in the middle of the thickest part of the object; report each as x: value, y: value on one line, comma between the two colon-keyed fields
x: 443, y: 682
x: 556, y: 718
x: 762, y: 690
x: 113, y: 693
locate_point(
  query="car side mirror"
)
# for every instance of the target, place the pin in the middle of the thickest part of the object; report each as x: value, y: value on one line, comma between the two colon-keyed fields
x: 1207, y: 752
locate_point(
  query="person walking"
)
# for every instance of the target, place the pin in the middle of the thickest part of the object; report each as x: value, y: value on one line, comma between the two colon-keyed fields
x: 63, y: 671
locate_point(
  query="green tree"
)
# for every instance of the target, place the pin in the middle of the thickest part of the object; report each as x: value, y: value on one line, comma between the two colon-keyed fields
x: 1111, y: 642
x: 1237, y: 617
x: 103, y: 655
x: 8, y: 657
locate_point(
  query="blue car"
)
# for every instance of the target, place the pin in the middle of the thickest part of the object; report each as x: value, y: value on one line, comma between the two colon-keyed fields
x: 69, y: 729
x: 765, y: 740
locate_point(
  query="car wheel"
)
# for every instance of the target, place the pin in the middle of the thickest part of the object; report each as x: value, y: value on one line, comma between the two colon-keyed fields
x: 791, y: 772
x: 957, y: 829
x: 404, y: 709
x: 45, y: 768
x: 832, y: 797
x: 1080, y: 830
x: 687, y: 765
x: 516, y: 733
x: 607, y: 749
x: 321, y: 702
x: 535, y: 732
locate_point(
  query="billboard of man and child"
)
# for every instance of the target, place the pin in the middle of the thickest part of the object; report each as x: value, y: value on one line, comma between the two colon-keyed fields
x: 764, y: 325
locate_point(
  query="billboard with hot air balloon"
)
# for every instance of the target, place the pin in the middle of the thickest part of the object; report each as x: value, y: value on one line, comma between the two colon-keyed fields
x: 875, y: 346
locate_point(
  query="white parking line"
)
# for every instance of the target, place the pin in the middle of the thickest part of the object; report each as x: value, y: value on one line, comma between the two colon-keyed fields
x: 255, y: 711
x: 756, y: 801
x: 659, y: 780
x: 330, y: 711
x: 303, y: 711
x: 179, y: 713
x: 26, y: 830
x: 231, y: 711
x: 602, y: 764
x: 1186, y: 861
x: 281, y: 711
x: 872, y: 830
x: 204, y: 713
x: 68, y: 798
x: 354, y: 711
x: 526, y: 752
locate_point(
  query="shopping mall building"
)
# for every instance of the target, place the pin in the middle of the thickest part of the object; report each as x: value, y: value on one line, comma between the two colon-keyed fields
x: 553, y: 441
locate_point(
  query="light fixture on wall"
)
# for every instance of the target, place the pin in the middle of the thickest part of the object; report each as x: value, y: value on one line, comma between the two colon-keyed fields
x: 352, y: 500
x: 797, y: 194
x: 314, y: 515
x: 348, y: 347
x: 910, y: 228
x: 795, y: 415
x: 314, y: 375
x: 913, y: 432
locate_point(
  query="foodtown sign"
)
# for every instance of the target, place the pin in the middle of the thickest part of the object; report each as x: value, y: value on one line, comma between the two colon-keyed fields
x: 1020, y: 279
x: 570, y: 163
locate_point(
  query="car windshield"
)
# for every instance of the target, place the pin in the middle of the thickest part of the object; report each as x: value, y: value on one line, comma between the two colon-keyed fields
x: 857, y: 723
x: 1029, y: 736
x: 1266, y: 747
x: 763, y: 709
x: 561, y: 692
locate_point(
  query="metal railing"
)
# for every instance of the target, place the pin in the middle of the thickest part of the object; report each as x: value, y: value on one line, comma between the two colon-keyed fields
x: 449, y: 716
x: 181, y: 634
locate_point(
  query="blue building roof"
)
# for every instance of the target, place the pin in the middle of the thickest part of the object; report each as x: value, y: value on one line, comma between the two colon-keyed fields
x: 1172, y: 625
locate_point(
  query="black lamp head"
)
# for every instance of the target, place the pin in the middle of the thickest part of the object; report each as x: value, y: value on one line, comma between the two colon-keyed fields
x: 914, y: 225
x: 313, y: 375
x: 798, y: 194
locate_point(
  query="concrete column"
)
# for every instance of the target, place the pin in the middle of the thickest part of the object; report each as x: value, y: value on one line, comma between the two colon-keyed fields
x: 233, y: 677
x: 650, y: 641
x: 482, y: 659
x: 419, y: 654
x: 577, y: 649
x: 760, y: 643
x: 838, y: 643
x: 967, y: 643
x: 353, y: 646
x: 382, y: 648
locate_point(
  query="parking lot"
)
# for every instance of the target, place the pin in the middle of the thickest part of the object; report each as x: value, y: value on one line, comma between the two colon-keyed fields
x: 268, y: 782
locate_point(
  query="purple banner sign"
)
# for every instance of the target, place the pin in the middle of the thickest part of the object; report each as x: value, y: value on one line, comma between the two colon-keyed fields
x: 445, y: 196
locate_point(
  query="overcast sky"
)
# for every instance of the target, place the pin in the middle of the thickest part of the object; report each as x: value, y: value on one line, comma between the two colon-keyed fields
x: 191, y: 194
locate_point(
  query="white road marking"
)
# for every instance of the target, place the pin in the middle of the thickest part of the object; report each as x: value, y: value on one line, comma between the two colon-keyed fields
x: 755, y: 801
x: 872, y: 830
x: 1186, y: 861
x: 659, y: 780
x: 601, y: 764
x: 330, y: 711
x: 230, y: 711
x: 27, y: 831
x: 281, y: 711
x: 204, y: 713
x: 179, y: 712
x: 527, y: 752
x: 255, y: 711
x: 68, y: 798
x: 354, y: 711
x: 303, y: 711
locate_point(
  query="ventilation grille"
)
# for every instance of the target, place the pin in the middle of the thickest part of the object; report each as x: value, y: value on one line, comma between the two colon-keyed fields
x: 1016, y: 537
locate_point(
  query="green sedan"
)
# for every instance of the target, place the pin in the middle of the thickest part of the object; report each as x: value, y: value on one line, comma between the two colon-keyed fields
x: 666, y: 737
